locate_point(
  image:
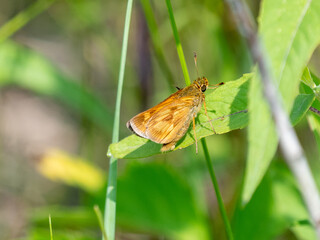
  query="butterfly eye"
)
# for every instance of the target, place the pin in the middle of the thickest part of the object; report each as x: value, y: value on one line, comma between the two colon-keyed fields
x: 203, y: 88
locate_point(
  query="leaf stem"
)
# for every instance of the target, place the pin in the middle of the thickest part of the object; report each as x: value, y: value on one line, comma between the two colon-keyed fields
x: 110, y: 205
x: 216, y: 188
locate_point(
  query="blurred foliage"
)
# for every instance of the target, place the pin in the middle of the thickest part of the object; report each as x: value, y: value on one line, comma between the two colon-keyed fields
x: 69, y: 55
x: 59, y: 166
x: 28, y: 70
x: 271, y: 209
x: 154, y: 198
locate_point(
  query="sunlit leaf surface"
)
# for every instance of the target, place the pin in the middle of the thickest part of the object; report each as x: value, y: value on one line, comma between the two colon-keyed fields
x: 289, y: 36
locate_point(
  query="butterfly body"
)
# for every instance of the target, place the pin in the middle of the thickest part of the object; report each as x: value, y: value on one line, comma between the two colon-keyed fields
x: 167, y: 122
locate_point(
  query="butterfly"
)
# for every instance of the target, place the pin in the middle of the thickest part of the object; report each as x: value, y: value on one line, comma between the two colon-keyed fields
x: 167, y: 122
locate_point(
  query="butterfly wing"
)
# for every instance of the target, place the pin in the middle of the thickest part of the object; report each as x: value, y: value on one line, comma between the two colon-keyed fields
x: 138, y: 124
x: 172, y: 121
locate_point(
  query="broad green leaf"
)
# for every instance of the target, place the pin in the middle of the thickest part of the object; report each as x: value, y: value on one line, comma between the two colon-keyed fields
x: 300, y: 107
x: 226, y: 106
x: 275, y: 207
x: 154, y: 198
x: 26, y: 69
x: 289, y: 37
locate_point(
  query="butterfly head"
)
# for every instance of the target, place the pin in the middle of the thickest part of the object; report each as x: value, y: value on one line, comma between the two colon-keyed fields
x: 201, y: 83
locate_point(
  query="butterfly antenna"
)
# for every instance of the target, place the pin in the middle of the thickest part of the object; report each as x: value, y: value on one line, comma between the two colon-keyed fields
x: 195, y: 62
x: 215, y: 85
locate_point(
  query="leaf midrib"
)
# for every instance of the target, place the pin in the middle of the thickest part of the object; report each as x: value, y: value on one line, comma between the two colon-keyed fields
x: 284, y: 61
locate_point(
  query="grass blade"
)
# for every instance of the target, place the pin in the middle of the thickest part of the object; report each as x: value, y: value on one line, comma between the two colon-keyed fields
x: 110, y: 206
x: 23, y: 18
x: 50, y: 227
x: 155, y: 38
x: 100, y: 221
x: 178, y: 44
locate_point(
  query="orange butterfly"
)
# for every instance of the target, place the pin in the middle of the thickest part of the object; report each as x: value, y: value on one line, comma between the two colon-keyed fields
x: 167, y: 122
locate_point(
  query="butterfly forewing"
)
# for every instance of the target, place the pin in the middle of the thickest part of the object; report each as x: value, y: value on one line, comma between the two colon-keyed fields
x: 138, y: 124
x: 164, y: 126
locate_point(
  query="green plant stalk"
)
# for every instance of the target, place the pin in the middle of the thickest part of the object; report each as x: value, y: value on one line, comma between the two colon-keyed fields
x: 178, y: 44
x: 155, y: 38
x: 217, y: 190
x: 203, y: 141
x: 110, y: 205
x: 100, y: 221
x: 23, y: 18
x: 50, y: 227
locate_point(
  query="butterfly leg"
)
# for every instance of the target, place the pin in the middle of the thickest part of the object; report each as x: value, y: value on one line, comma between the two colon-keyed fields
x: 195, y: 136
x: 205, y: 109
x: 168, y: 146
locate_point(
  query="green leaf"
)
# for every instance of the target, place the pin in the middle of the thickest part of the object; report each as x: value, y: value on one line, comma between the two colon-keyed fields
x: 312, y: 81
x: 27, y: 69
x: 316, y: 88
x: 301, y: 105
x: 261, y: 131
x: 307, y: 78
x: 314, y: 123
x: 226, y: 106
x: 257, y: 215
x: 288, y: 32
x: 256, y: 166
x: 286, y: 198
x: 228, y: 101
x: 154, y: 198
x: 276, y: 206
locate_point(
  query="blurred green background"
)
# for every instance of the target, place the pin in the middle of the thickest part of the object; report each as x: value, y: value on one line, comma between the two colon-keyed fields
x: 58, y: 79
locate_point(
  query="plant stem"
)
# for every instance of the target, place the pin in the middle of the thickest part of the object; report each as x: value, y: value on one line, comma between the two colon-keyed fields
x: 110, y: 205
x: 203, y: 141
x: 216, y: 188
x: 178, y: 44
